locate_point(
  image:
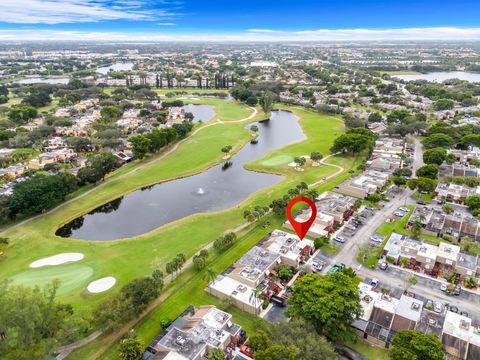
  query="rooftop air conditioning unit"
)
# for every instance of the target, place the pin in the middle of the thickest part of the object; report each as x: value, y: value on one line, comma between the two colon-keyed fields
x: 180, y: 340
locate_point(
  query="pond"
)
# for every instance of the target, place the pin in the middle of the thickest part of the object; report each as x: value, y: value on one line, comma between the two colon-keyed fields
x: 218, y: 188
x: 115, y: 67
x: 201, y: 113
x: 43, y: 80
x: 441, y: 76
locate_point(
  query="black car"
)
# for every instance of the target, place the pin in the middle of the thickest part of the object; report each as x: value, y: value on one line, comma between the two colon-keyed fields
x: 453, y: 309
x: 421, y: 203
x: 464, y: 313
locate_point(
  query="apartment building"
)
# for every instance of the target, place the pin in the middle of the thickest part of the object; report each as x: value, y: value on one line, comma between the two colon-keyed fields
x: 384, y: 316
x: 428, y: 256
x: 193, y: 334
x: 256, y: 269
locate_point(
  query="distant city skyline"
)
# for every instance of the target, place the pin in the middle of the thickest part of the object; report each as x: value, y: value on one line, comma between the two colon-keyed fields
x: 249, y: 20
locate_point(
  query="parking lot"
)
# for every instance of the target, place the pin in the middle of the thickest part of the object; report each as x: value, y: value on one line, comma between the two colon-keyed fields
x: 426, y: 290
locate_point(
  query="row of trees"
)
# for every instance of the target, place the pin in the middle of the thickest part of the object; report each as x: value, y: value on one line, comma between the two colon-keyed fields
x: 279, y: 206
x: 224, y: 242
x: 157, y: 139
x: 43, y: 191
x: 130, y: 302
x: 255, y: 214
x: 175, y: 266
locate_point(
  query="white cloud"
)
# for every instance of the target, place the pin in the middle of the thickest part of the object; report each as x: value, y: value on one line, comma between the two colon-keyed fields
x: 432, y: 33
x: 254, y: 35
x: 75, y: 11
x: 166, y: 24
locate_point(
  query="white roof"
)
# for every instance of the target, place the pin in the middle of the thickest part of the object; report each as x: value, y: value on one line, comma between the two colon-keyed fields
x: 428, y: 250
x: 410, y: 308
x: 461, y: 327
x: 448, y: 251
x: 172, y: 355
x: 234, y: 289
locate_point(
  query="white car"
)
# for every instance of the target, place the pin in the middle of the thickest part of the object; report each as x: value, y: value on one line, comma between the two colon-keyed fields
x: 339, y: 238
x: 374, y: 282
x: 438, y: 308
x: 317, y: 266
x: 443, y: 287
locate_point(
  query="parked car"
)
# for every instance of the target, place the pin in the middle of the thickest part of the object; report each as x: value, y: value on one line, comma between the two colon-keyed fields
x: 399, y: 214
x: 438, y: 307
x: 421, y: 203
x: 383, y: 265
x: 404, y: 209
x: 457, y: 290
x: 453, y: 309
x: 429, y: 304
x: 374, y: 282
x: 339, y: 238
x: 317, y: 266
x: 336, y: 268
x: 443, y: 287
x: 464, y: 313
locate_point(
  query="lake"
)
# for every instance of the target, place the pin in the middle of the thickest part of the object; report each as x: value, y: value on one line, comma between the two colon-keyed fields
x: 115, y: 67
x: 441, y: 76
x: 201, y: 113
x: 218, y: 188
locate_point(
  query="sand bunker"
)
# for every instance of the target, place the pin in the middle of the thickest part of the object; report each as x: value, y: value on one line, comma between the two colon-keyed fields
x: 101, y: 285
x: 57, y: 260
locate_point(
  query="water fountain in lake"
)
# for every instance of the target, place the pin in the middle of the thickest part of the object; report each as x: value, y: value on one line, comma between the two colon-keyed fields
x: 200, y: 191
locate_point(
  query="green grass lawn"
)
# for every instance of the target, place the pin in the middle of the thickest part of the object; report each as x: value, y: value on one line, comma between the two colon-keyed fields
x: 71, y: 276
x: 369, y: 351
x: 131, y: 258
x: 189, y: 289
x: 225, y: 110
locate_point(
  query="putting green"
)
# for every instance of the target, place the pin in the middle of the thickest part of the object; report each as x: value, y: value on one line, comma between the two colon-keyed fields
x: 277, y: 160
x: 70, y: 276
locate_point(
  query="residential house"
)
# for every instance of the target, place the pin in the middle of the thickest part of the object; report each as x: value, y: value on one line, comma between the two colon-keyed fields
x: 365, y: 184
x: 53, y: 157
x: 254, y: 269
x: 453, y: 192
x: 407, y: 314
x: 461, y: 337
x: 194, y: 334
x: 13, y: 172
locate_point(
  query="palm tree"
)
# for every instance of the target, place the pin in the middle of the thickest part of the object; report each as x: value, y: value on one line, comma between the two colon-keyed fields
x: 417, y: 225
x: 254, y: 297
x: 210, y: 276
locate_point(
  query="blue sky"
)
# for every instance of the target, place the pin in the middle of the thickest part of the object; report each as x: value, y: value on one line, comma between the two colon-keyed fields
x: 237, y: 20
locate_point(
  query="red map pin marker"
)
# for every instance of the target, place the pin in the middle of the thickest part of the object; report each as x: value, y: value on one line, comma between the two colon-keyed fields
x: 301, y: 228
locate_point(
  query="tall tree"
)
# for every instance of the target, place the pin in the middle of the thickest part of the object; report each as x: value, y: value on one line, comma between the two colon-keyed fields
x: 130, y: 347
x: 266, y: 101
x: 415, y: 345
x: 331, y: 303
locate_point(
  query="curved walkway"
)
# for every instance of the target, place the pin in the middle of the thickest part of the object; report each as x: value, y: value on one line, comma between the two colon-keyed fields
x: 140, y: 166
x: 326, y: 178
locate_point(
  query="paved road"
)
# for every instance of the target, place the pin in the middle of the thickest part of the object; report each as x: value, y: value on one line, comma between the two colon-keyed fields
x: 427, y: 288
x: 347, y: 254
x: 417, y: 156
